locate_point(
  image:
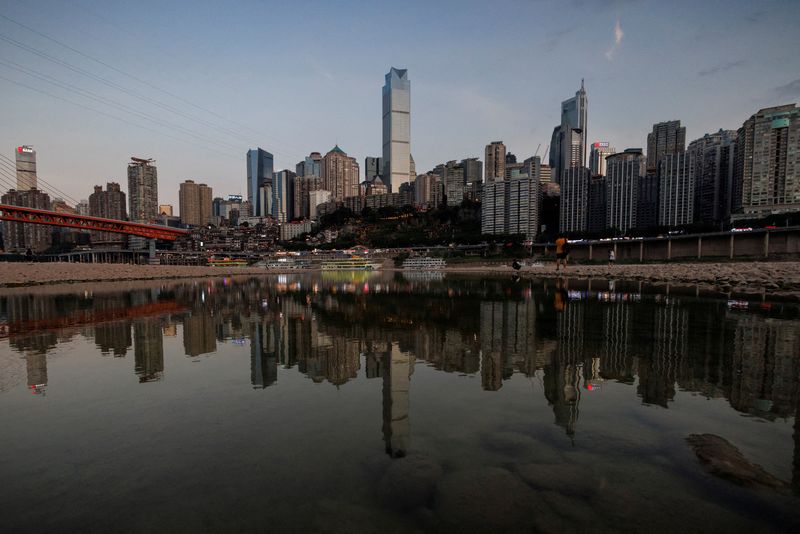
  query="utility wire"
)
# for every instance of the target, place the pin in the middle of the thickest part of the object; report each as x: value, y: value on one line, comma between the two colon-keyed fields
x: 9, y: 163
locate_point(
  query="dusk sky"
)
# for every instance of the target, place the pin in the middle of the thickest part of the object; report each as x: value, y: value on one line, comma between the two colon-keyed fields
x: 296, y: 77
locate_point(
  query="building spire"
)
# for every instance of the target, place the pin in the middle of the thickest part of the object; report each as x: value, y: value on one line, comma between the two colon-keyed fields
x: 581, y: 84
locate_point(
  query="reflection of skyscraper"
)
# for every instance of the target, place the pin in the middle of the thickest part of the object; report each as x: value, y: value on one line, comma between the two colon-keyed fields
x: 659, y: 372
x: 114, y: 338
x: 396, y: 387
x: 37, y: 370
x: 263, y: 360
x: 148, y: 349
x: 198, y: 334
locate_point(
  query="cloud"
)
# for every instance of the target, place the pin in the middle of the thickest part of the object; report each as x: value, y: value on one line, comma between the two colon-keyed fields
x: 790, y: 90
x: 722, y: 67
x: 618, y: 35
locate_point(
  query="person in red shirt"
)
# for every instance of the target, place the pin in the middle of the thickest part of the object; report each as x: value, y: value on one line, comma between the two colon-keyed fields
x: 561, y: 252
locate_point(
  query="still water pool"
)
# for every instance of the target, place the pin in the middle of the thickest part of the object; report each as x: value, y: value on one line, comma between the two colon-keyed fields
x: 391, y: 403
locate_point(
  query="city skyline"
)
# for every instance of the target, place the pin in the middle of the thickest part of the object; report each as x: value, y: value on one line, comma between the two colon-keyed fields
x: 456, y: 112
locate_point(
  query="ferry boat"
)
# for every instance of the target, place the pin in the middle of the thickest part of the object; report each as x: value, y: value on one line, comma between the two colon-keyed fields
x: 354, y: 263
x: 424, y: 263
x: 227, y: 262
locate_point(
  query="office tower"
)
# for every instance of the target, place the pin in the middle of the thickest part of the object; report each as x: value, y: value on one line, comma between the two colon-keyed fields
x: 142, y: 190
x: 545, y: 174
x: 310, y: 166
x: 647, y: 210
x: 303, y: 185
x: 396, y: 129
x: 19, y: 237
x: 597, y: 157
x: 510, y: 207
x: 372, y: 168
x: 713, y: 176
x: 767, y: 162
x: 676, y: 189
x: 194, y: 203
x: 283, y: 196
x: 574, y: 211
x: 26, y: 168
x: 425, y: 189
x: 623, y: 172
x: 109, y: 204
x: 340, y: 174
x: 596, y: 221
x: 665, y: 139
x: 260, y: 166
x: 495, y: 161
x: 568, y: 143
x: 166, y: 209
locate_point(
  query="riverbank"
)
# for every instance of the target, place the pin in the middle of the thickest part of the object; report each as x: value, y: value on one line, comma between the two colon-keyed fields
x: 772, y: 278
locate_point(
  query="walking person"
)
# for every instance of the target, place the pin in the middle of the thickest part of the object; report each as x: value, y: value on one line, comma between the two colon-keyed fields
x: 29, y: 255
x: 612, y: 257
x: 562, y: 251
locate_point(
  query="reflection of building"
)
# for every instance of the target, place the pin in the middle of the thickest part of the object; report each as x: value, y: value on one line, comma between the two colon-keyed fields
x: 199, y: 334
x: 36, y: 364
x: 658, y: 372
x: 263, y: 358
x: 508, y: 339
x: 396, y: 387
x: 148, y: 349
x: 113, y: 338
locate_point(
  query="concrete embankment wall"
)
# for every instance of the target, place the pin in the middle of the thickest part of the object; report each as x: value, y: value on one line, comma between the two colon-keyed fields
x: 781, y: 243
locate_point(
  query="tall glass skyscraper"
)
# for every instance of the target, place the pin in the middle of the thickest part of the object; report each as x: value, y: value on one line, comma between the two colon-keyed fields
x: 396, y: 129
x: 259, y: 173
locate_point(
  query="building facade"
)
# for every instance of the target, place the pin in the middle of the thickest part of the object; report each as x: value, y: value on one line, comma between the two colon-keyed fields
x: 713, y: 155
x: 767, y: 163
x: 574, y: 210
x: 510, y: 207
x: 109, y: 204
x: 340, y: 174
x: 260, y: 168
x: 283, y: 194
x: 623, y: 172
x: 676, y: 189
x: 666, y: 138
x: 26, y: 168
x: 372, y: 168
x: 568, y: 143
x: 194, y: 203
x: 142, y: 190
x: 396, y: 129
x: 310, y: 166
x: 495, y: 157
x: 18, y: 237
x: 597, y: 157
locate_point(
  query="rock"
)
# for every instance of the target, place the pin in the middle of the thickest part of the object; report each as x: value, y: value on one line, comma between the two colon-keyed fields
x: 725, y: 461
x: 487, y: 499
x: 409, y: 482
x: 562, y: 478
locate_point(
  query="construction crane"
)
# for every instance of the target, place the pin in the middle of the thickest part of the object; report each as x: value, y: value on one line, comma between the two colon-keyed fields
x: 537, y: 150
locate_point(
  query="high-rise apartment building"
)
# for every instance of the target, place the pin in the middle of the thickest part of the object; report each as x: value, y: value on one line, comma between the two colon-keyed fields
x: 372, y: 168
x: 574, y: 210
x: 18, y: 237
x: 647, y: 210
x: 473, y: 170
x: 303, y: 185
x: 425, y: 189
x: 260, y: 167
x: 495, y: 161
x: 340, y: 174
x: 623, y: 172
x: 396, y: 129
x: 568, y: 143
x: 142, y: 190
x: 283, y: 196
x: 310, y: 166
x: 164, y: 209
x: 767, y: 163
x: 713, y: 155
x: 676, y: 189
x: 510, y: 207
x: 195, y: 203
x: 26, y: 168
x: 597, y: 157
x: 109, y: 204
x: 666, y: 138
x: 597, y: 204
x: 315, y: 199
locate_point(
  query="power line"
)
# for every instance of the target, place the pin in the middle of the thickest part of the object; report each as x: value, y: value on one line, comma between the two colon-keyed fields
x: 46, y: 188
x: 26, y: 86
x: 10, y: 164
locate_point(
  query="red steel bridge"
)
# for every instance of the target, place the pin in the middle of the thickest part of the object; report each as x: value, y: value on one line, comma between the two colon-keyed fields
x: 85, y: 222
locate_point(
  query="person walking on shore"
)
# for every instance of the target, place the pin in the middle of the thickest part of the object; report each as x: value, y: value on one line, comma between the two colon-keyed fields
x: 612, y: 257
x: 561, y: 252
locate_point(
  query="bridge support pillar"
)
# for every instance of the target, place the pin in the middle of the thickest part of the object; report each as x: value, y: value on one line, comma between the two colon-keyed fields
x: 151, y: 256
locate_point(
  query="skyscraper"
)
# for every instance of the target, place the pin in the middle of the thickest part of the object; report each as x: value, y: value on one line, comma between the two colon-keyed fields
x: 340, y: 174
x: 142, y: 190
x: 597, y: 157
x: 676, y: 189
x: 310, y: 166
x: 303, y: 186
x: 495, y: 161
x: 195, y: 203
x: 510, y: 207
x: 372, y: 168
x: 109, y: 204
x: 26, y: 168
x: 568, y: 144
x: 767, y: 162
x: 283, y: 196
x: 259, y: 173
x: 19, y: 236
x: 623, y: 172
x: 666, y: 138
x: 396, y: 129
x: 713, y: 176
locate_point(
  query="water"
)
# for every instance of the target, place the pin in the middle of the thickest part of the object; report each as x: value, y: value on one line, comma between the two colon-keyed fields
x: 390, y: 403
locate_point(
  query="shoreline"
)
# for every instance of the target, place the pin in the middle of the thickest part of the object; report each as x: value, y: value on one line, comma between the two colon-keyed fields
x: 779, y: 279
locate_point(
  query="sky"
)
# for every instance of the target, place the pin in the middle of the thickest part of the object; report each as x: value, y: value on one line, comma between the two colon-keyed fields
x: 194, y: 84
